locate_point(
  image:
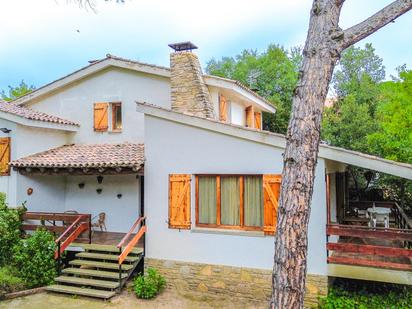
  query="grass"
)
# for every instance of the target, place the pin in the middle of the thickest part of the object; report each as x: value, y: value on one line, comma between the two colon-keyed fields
x: 9, y: 282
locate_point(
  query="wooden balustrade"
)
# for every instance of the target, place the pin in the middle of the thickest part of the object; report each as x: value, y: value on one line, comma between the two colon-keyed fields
x: 395, y: 254
x: 141, y: 224
x: 79, y: 223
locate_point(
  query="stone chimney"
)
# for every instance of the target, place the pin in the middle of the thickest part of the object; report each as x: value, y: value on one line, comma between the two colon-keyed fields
x: 189, y: 93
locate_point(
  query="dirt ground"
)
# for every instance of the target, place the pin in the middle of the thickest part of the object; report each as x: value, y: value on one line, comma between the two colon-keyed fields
x: 167, y: 299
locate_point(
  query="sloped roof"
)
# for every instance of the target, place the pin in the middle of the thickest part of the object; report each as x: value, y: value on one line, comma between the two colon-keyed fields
x: 278, y: 140
x: 28, y: 113
x: 120, y: 62
x: 125, y: 155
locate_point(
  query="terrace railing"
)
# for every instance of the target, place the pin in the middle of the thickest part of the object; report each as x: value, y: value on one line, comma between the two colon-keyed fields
x: 71, y: 227
x: 349, y: 251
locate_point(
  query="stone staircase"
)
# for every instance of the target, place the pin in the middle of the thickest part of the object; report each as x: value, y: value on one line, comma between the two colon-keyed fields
x: 95, y: 271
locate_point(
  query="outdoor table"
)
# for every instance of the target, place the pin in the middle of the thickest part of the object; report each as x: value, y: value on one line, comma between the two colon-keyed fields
x: 379, y: 214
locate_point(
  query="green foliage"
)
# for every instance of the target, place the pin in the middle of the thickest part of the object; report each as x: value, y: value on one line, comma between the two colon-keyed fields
x: 150, y: 285
x: 34, y: 259
x: 9, y: 282
x: 358, y: 68
x: 273, y: 74
x: 10, y: 223
x: 393, y: 140
x: 16, y: 92
x: 393, y: 137
x: 348, y: 124
x: 340, y: 298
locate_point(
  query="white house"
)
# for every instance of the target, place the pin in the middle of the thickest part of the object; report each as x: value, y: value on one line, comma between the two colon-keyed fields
x: 193, y: 160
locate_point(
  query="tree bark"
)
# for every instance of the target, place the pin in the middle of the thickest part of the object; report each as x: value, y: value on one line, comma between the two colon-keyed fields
x: 324, y: 43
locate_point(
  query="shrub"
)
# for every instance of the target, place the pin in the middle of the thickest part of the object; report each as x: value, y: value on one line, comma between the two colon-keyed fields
x: 9, y: 282
x: 10, y: 223
x: 34, y: 259
x: 340, y: 298
x: 150, y: 285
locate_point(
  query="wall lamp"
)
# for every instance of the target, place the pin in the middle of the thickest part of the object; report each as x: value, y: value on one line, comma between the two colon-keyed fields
x: 5, y: 130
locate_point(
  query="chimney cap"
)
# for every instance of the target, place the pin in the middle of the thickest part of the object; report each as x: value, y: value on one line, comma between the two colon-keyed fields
x: 182, y: 46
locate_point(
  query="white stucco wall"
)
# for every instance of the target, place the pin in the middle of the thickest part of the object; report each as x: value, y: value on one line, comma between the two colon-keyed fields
x: 238, y: 114
x: 172, y: 149
x: 26, y: 141
x: 120, y: 213
x: 48, y: 192
x: 75, y: 102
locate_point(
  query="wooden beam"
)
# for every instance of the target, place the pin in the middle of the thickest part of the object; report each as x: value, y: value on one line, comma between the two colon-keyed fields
x: 50, y: 216
x: 369, y: 263
x: 369, y: 249
x: 51, y: 228
x: 81, y: 171
x: 365, y: 232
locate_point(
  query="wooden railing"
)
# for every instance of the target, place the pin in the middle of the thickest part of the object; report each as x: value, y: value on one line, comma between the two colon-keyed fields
x: 126, y: 248
x: 79, y: 223
x: 399, y: 241
x: 141, y: 223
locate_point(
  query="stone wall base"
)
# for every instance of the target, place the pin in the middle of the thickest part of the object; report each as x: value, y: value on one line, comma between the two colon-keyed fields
x: 218, y: 280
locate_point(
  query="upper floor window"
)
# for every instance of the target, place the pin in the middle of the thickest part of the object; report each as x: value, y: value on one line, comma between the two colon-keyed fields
x: 101, y: 116
x: 116, y: 116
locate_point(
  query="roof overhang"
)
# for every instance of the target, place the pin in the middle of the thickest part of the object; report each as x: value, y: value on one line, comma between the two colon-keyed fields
x: 112, y: 61
x: 244, y: 92
x: 37, y: 123
x: 84, y: 159
x: 278, y: 140
x: 92, y: 69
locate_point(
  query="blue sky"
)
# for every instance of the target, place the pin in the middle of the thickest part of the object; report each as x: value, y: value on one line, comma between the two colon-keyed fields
x: 40, y: 41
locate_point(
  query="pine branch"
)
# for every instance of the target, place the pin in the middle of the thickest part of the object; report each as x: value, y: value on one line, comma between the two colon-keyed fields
x: 388, y: 14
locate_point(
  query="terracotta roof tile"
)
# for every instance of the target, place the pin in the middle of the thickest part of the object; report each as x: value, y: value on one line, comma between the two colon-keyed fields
x: 86, y: 156
x: 28, y: 113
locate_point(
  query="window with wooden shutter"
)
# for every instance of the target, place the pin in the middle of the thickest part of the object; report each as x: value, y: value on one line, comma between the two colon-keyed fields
x: 179, y: 201
x: 101, y: 118
x: 271, y: 192
x: 250, y: 116
x: 258, y: 120
x: 229, y: 202
x: 222, y: 108
x: 4, y: 156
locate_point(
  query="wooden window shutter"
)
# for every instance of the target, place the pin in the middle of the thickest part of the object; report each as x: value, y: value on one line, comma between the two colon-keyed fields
x: 101, y: 118
x: 258, y: 120
x: 179, y: 201
x: 250, y: 116
x: 4, y: 156
x: 222, y: 108
x: 271, y: 191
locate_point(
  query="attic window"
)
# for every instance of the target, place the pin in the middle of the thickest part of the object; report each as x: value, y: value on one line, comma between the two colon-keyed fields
x: 116, y: 116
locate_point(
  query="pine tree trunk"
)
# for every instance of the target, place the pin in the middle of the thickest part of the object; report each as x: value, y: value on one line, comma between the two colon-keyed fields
x: 324, y: 43
x: 320, y: 56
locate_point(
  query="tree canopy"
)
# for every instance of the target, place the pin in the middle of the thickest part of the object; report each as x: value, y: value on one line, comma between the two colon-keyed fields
x: 17, y: 91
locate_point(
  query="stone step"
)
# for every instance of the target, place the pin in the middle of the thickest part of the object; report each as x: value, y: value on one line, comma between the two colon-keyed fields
x: 105, y: 265
x: 93, y: 273
x: 102, y: 256
x: 87, y: 282
x: 104, y: 248
x: 80, y: 291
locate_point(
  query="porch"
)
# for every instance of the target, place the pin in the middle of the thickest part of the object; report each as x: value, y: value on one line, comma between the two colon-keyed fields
x: 364, y: 246
x: 98, y: 263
